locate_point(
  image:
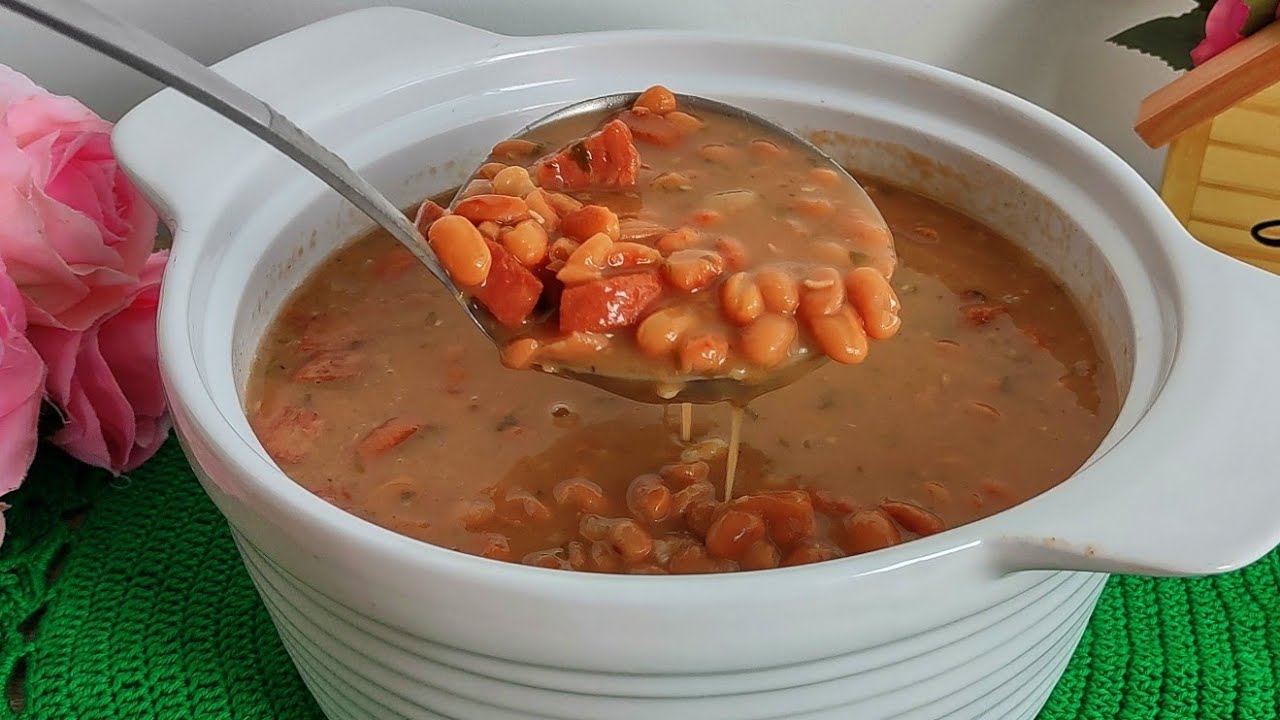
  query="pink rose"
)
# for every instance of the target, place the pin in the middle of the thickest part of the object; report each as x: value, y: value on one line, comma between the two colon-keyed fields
x: 106, y: 380
x: 21, y: 389
x: 74, y: 232
x: 1231, y: 21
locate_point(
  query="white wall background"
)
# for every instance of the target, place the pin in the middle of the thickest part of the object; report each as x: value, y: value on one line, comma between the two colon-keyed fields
x: 1052, y: 52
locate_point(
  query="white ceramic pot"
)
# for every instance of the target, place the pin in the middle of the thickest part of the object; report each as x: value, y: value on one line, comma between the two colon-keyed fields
x: 975, y: 622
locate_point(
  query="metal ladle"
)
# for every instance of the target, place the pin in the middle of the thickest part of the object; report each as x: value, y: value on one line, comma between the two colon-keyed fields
x: 153, y: 57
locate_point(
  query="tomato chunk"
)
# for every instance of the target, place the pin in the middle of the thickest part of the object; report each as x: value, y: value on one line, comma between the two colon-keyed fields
x: 329, y: 366
x: 428, y: 212
x: 788, y: 514
x: 651, y: 128
x: 511, y: 291
x: 615, y: 156
x: 604, y: 159
x: 608, y: 303
x: 325, y: 332
x: 386, y: 436
x: 828, y: 502
x: 982, y: 313
x: 394, y: 264
x: 288, y: 432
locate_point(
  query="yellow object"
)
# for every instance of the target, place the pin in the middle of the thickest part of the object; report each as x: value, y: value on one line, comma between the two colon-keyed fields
x: 1222, y: 177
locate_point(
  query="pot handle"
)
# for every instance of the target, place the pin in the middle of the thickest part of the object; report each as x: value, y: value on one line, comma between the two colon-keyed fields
x: 1194, y: 488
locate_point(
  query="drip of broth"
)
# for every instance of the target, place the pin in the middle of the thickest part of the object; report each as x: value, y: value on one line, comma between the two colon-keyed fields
x: 735, y: 443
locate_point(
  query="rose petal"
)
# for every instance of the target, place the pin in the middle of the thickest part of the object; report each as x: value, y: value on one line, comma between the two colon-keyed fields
x: 106, y: 380
x: 152, y: 432
x: 57, y: 258
x: 12, y: 308
x: 31, y: 116
x: 128, y: 343
x: 99, y: 425
x: 1223, y: 28
x: 116, y: 421
x: 22, y: 372
x: 74, y: 231
x: 14, y: 86
x: 18, y: 428
x: 22, y: 375
x: 81, y: 434
x: 80, y: 176
x: 81, y: 437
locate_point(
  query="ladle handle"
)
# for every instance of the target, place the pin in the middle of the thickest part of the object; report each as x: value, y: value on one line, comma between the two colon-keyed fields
x: 151, y: 56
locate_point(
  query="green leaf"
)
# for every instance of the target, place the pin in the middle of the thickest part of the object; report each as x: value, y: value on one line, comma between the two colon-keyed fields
x: 1170, y: 39
x: 1261, y: 14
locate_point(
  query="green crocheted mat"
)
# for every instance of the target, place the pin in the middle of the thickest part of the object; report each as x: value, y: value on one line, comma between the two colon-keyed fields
x: 125, y: 599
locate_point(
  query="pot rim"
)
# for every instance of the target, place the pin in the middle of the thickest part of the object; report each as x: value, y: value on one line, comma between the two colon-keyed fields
x: 272, y: 492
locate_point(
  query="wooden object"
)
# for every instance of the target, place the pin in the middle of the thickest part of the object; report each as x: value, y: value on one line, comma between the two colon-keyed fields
x: 1222, y: 121
x: 1242, y: 70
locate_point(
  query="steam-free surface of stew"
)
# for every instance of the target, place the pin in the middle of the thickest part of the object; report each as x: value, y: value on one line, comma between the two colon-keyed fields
x: 372, y: 391
x: 658, y: 243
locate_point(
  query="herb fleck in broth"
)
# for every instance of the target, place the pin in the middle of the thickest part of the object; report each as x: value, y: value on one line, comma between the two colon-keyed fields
x: 374, y: 392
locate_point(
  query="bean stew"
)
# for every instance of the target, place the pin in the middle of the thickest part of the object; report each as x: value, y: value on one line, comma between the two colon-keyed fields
x: 372, y: 391
x: 653, y: 243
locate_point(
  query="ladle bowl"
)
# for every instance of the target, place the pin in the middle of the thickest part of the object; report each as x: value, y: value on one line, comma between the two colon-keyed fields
x: 696, y: 389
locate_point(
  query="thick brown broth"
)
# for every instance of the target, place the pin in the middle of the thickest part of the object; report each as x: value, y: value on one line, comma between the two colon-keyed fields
x: 993, y: 392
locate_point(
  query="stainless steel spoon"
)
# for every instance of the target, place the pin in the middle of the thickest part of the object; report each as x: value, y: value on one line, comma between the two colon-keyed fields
x: 151, y: 56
